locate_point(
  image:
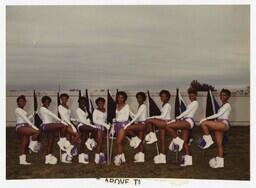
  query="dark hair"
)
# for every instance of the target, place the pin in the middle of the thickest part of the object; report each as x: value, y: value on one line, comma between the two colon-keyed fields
x: 80, y: 99
x: 64, y: 95
x: 192, y: 90
x: 142, y: 94
x: 123, y: 94
x: 226, y: 91
x: 21, y: 97
x: 45, y: 98
x: 166, y: 92
x: 99, y: 99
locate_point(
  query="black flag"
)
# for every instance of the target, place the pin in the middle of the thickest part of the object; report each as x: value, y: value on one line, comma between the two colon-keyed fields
x: 180, y: 105
x: 79, y: 94
x: 153, y: 108
x: 58, y: 103
x: 37, y: 119
x: 89, y: 105
x: 212, y: 106
x: 111, y: 108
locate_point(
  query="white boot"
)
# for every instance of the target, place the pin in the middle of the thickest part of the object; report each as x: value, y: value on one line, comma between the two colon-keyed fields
x: 33, y: 146
x: 50, y: 159
x: 173, y: 147
x: 151, y: 138
x: 139, y: 157
x: 23, y: 160
x: 187, y: 161
x: 178, y: 141
x: 102, y: 158
x: 208, y: 140
x: 160, y: 159
x: 83, y: 158
x: 71, y: 151
x: 90, y: 143
x: 118, y: 160
x: 97, y: 158
x: 63, y: 143
x: 123, y: 158
x: 65, y: 158
x: 217, y: 162
x: 135, y: 142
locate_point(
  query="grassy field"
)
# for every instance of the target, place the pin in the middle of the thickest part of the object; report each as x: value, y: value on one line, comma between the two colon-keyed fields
x: 237, y: 162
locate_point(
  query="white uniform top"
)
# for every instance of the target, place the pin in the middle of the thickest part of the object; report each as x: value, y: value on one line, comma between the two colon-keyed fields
x: 47, y: 116
x: 21, y: 116
x: 124, y: 113
x: 223, y: 112
x: 190, y: 111
x: 165, y: 112
x: 99, y: 117
x: 65, y: 114
x: 82, y: 116
x: 141, y: 114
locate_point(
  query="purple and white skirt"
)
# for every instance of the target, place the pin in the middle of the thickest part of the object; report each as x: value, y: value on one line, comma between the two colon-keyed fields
x: 225, y: 121
x: 100, y: 127
x: 19, y: 125
x: 118, y: 125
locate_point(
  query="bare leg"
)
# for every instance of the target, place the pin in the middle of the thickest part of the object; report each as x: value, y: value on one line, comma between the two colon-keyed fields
x: 100, y: 136
x: 185, y: 137
x: 141, y: 146
x: 120, y: 140
x: 218, y: 140
x: 28, y: 131
x: 173, y: 127
x: 50, y: 139
x: 162, y: 141
x: 24, y: 144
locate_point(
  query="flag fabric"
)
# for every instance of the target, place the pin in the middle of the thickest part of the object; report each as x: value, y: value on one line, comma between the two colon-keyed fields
x: 152, y: 107
x: 89, y: 105
x: 79, y: 94
x: 180, y: 105
x: 58, y: 103
x: 212, y: 106
x: 37, y: 119
x: 111, y: 108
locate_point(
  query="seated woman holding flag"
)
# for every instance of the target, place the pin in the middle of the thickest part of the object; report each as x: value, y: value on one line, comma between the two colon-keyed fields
x: 73, y: 136
x: 136, y: 128
x: 219, y: 123
x: 159, y: 122
x: 86, y: 130
x: 185, y: 122
x: 25, y: 129
x: 122, y: 119
x: 51, y: 124
x: 99, y: 120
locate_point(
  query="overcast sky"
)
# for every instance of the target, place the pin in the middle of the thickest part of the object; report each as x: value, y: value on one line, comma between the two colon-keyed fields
x: 127, y: 47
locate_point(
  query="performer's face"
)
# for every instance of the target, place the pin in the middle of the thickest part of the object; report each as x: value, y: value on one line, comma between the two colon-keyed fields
x: 47, y: 103
x: 224, y: 97
x: 21, y: 103
x: 164, y: 98
x: 192, y: 96
x: 64, y: 100
x: 120, y: 99
x: 140, y: 99
x: 101, y: 104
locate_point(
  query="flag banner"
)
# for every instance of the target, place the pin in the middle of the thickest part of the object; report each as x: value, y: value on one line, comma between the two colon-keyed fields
x: 37, y: 119
x: 89, y: 105
x: 212, y: 106
x: 58, y: 103
x: 180, y: 105
x: 153, y: 108
x: 79, y: 94
x: 111, y: 108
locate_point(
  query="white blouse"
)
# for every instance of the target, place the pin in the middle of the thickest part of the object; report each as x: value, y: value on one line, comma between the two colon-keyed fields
x: 223, y: 112
x: 141, y: 114
x: 22, y: 116
x: 124, y: 113
x: 47, y: 116
x: 65, y: 114
x: 165, y: 112
x: 82, y: 116
x: 190, y: 111
x: 100, y: 118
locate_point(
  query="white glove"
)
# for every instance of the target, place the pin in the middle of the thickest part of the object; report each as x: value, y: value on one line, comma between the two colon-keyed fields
x: 34, y: 127
x: 112, y: 131
x: 202, y: 121
x: 107, y: 126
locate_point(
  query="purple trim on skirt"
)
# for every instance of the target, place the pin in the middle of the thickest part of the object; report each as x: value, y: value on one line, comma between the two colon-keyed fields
x: 19, y: 125
x: 100, y: 127
x: 118, y: 125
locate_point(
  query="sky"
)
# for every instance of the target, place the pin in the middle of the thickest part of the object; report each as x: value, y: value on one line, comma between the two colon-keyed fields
x: 127, y: 47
